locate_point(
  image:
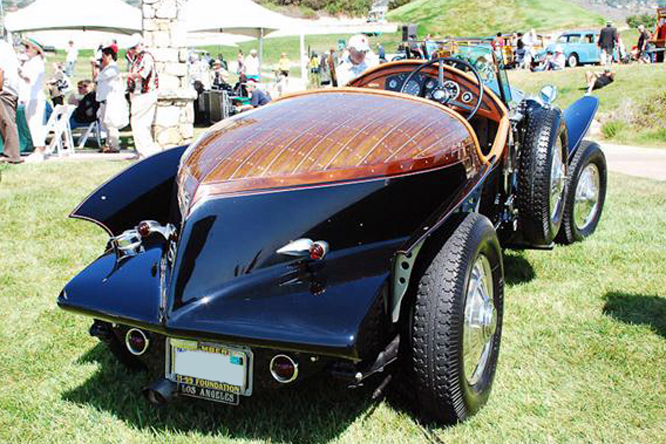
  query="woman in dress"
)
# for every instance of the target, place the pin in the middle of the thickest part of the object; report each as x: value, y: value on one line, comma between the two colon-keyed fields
x: 111, y: 95
x: 32, y: 95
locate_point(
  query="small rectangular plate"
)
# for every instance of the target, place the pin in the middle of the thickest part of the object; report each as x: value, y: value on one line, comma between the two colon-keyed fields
x: 209, y: 371
x: 208, y: 394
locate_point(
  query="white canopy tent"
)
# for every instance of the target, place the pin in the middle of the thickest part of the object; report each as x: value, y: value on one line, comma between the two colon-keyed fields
x: 241, y: 17
x: 113, y: 16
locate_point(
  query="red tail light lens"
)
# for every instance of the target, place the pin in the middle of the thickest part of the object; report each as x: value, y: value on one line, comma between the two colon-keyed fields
x: 144, y: 229
x: 318, y: 250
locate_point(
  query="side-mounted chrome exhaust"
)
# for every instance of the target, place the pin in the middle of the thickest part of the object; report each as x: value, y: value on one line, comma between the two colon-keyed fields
x: 161, y: 392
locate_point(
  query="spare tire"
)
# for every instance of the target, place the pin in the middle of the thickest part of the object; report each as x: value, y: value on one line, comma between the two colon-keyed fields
x: 542, y: 176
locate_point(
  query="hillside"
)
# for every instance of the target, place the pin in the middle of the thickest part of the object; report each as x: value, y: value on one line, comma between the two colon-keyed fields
x: 484, y: 17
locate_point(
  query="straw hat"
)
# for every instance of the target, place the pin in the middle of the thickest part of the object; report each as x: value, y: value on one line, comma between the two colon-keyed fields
x: 32, y: 43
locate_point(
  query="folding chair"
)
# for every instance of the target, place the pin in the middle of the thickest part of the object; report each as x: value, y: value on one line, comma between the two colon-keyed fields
x: 92, y: 129
x: 58, y: 124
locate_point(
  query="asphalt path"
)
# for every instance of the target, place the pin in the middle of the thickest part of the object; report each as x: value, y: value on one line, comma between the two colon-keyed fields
x: 635, y: 161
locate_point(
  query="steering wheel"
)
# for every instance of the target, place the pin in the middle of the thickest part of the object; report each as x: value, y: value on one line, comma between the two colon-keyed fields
x: 439, y: 93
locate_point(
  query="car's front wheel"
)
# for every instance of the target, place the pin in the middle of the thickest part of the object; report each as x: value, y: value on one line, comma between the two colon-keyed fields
x: 586, y: 194
x: 456, y: 322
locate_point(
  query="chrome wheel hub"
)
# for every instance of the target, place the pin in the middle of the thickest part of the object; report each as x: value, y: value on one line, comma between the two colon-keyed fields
x: 558, y: 178
x: 480, y: 321
x: 587, y: 197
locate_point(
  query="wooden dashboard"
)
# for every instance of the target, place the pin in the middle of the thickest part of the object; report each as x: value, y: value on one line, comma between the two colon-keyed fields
x: 391, y: 77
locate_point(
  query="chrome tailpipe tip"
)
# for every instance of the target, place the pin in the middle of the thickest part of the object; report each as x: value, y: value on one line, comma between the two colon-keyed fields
x: 160, y: 393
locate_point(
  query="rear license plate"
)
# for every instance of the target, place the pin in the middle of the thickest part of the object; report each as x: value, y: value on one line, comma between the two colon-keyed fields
x: 209, y: 371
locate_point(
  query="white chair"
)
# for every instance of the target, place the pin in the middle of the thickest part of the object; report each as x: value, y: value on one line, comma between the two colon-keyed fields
x: 94, y: 129
x: 58, y: 124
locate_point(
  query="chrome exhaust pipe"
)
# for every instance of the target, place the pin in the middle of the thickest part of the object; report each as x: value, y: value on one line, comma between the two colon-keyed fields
x: 161, y: 392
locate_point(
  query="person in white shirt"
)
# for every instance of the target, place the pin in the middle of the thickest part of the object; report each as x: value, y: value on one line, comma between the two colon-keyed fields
x: 32, y: 95
x: 357, y: 59
x: 9, y: 90
x: 252, y: 66
x: 72, y: 56
x: 110, y: 94
x: 142, y: 83
x: 200, y: 71
x: 559, y: 60
x: 530, y: 40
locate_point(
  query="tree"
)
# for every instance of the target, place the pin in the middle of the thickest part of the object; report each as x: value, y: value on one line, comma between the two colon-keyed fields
x: 647, y: 20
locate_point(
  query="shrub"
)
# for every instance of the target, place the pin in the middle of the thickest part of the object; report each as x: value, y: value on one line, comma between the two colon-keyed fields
x: 647, y: 20
x: 652, y: 112
x: 612, y: 128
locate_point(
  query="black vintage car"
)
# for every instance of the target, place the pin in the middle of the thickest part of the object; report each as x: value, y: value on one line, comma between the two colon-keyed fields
x: 349, y: 231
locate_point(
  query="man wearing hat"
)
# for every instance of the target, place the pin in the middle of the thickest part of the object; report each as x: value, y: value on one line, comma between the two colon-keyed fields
x: 142, y: 84
x: 9, y: 84
x: 608, y: 39
x: 357, y: 60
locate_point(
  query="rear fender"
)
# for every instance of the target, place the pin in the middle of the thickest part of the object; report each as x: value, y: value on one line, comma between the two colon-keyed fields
x: 142, y: 191
x: 578, y: 118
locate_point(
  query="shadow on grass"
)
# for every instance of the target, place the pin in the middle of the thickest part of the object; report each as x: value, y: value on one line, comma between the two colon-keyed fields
x: 637, y: 309
x: 318, y: 410
x: 517, y: 269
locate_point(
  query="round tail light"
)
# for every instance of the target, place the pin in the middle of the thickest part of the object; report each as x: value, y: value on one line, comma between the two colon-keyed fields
x: 144, y: 229
x: 283, y: 369
x: 136, y: 341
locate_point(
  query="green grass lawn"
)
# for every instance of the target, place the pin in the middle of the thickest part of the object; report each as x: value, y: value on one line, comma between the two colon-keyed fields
x: 583, y: 354
x: 487, y: 17
x: 625, y: 103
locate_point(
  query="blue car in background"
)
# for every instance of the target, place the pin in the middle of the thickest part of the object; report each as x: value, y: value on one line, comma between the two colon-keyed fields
x: 580, y: 47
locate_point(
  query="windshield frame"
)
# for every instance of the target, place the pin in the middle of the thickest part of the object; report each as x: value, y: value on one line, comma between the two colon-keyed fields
x: 451, y: 48
x: 502, y: 89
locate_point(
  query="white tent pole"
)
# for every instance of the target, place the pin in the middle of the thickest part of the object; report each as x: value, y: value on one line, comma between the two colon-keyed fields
x: 2, y: 14
x: 261, y: 48
x: 303, y: 59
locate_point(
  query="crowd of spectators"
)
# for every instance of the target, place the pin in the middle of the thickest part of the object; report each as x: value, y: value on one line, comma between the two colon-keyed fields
x: 103, y: 99
x: 108, y: 96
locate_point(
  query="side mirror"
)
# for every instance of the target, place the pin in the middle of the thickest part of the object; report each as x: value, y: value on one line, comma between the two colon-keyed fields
x: 548, y: 94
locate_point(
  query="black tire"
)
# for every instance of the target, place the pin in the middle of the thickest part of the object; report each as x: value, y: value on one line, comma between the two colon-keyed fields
x: 589, y: 159
x: 545, y: 141
x: 436, y: 362
x: 572, y: 60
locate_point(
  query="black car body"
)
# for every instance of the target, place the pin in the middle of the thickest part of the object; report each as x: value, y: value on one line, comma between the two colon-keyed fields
x: 283, y: 243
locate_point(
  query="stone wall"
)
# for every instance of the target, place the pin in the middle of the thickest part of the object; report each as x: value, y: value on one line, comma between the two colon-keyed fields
x: 165, y: 37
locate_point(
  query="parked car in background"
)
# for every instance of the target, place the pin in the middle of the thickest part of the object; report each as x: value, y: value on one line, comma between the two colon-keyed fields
x: 580, y: 48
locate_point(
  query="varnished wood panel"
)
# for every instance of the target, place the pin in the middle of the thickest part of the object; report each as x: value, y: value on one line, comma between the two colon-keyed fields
x: 326, y: 136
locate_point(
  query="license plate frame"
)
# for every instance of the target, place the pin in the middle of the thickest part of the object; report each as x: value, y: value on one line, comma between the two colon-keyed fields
x: 214, y: 389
